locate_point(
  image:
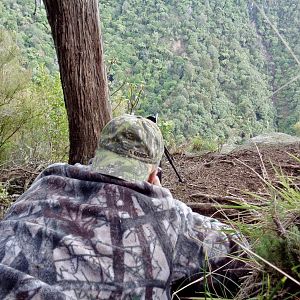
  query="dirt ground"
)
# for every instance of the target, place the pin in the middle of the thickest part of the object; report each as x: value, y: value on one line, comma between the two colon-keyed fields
x: 212, y: 179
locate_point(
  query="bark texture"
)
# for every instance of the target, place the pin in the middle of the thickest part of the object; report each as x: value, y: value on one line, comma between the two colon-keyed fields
x: 76, y: 32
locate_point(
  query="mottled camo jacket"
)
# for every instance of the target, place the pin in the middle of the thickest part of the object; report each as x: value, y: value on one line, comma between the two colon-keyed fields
x: 77, y: 234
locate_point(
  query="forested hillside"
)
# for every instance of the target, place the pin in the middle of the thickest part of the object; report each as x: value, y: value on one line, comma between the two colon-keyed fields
x: 211, y: 69
x: 281, y: 66
x: 210, y: 66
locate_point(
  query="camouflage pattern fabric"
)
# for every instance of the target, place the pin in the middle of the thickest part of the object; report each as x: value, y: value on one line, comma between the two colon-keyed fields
x: 129, y: 146
x: 77, y: 234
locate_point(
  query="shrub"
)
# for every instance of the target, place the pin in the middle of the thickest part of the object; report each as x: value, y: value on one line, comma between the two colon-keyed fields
x: 201, y: 144
x: 15, y: 110
x: 33, y: 119
x: 297, y: 128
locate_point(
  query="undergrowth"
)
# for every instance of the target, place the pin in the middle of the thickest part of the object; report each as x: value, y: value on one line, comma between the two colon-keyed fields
x: 199, y: 144
x: 274, y: 234
x: 273, y: 231
x: 4, y: 199
x: 275, y: 237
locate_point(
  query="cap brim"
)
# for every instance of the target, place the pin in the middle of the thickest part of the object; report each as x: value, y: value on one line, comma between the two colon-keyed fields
x: 113, y: 164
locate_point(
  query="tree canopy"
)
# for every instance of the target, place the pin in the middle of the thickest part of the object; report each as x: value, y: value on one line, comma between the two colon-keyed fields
x: 212, y: 69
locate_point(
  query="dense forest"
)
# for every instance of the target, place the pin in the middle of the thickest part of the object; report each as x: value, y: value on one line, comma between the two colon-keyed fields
x: 214, y: 70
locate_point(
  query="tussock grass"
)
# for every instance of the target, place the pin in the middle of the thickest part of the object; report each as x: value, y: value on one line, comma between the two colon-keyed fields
x: 273, y: 231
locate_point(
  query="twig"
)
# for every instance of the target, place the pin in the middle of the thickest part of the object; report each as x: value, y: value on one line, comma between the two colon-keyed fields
x: 211, y: 209
x: 286, y: 84
x: 202, y: 205
x: 263, y: 167
x: 118, y: 104
x: 258, y: 175
x: 291, y: 184
x: 277, y: 32
x: 266, y: 262
x: 219, y: 161
x: 289, y: 166
x: 27, y: 171
x: 4, y: 140
x: 281, y: 230
x: 19, y: 169
x: 216, y: 197
x: 201, y: 278
x: 118, y: 88
x: 197, y: 186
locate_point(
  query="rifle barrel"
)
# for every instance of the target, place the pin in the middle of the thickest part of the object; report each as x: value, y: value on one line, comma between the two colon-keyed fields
x: 166, y: 151
x: 171, y: 161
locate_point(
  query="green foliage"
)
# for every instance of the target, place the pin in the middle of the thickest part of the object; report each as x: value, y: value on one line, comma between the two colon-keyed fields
x: 167, y: 127
x: 51, y: 117
x: 275, y: 236
x: 127, y: 98
x: 199, y: 144
x: 33, y: 122
x: 270, y: 247
x: 280, y: 65
x: 15, y: 110
x: 31, y: 29
x: 194, y: 74
x: 297, y: 128
x: 210, y: 67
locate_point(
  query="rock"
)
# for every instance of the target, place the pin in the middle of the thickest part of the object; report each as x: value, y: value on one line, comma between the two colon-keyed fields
x: 272, y: 138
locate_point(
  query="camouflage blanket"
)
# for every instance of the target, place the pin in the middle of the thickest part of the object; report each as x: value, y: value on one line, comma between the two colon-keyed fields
x: 77, y: 234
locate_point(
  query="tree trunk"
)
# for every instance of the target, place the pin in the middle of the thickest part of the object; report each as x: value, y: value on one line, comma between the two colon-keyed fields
x: 76, y: 32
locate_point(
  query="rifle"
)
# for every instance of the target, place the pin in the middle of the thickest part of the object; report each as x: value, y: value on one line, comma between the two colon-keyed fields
x: 167, y: 154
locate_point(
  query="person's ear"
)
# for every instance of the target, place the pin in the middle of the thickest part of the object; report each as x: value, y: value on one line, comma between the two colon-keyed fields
x: 153, y: 179
x: 151, y: 176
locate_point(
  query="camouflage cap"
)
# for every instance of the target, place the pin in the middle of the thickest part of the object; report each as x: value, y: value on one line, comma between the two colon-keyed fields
x: 128, y: 148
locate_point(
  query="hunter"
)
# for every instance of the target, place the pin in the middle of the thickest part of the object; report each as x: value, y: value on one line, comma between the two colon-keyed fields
x: 108, y: 230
